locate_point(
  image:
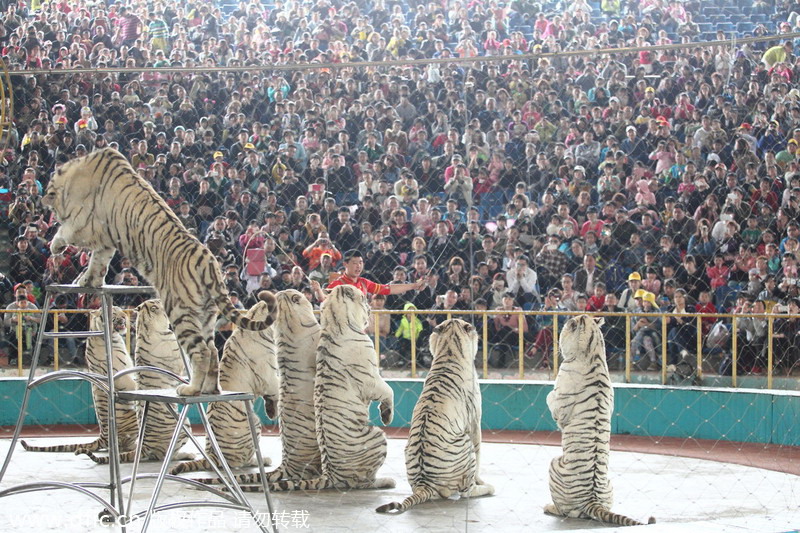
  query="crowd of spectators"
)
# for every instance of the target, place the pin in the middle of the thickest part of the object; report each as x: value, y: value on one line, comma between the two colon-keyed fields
x: 639, y: 181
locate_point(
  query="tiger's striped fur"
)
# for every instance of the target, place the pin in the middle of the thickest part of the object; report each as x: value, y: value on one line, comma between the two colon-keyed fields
x: 104, y: 205
x: 248, y: 365
x: 297, y: 332
x: 126, y: 414
x: 156, y: 346
x: 443, y: 448
x: 581, y: 404
x: 346, y: 382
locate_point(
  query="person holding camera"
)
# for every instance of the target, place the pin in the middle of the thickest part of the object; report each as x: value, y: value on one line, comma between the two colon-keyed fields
x: 323, y: 245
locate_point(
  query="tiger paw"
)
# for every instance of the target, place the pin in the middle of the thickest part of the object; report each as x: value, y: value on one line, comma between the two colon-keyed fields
x: 386, y: 413
x: 86, y: 280
x: 187, y: 390
x: 58, y: 245
x: 384, y: 483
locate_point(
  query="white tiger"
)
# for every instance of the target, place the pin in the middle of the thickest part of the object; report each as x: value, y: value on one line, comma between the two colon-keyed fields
x: 297, y: 333
x: 346, y: 382
x: 126, y: 413
x: 443, y: 448
x: 104, y: 205
x: 248, y: 365
x: 581, y: 404
x: 156, y: 346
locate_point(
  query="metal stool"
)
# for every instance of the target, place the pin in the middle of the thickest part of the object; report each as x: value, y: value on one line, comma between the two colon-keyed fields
x: 113, y: 505
x: 114, y: 508
x: 234, y: 498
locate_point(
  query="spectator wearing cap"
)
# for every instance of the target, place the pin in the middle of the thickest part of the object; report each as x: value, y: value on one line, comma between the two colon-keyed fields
x: 635, y: 147
x: 627, y: 299
x: 646, y: 341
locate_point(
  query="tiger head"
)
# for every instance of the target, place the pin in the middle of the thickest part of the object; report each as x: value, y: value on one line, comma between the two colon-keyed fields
x: 294, y: 311
x: 119, y: 319
x: 150, y: 315
x: 346, y: 305
x: 454, y: 336
x: 72, y: 183
x: 581, y: 337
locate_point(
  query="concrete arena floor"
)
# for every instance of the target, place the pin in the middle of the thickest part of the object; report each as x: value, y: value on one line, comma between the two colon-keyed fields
x: 684, y: 494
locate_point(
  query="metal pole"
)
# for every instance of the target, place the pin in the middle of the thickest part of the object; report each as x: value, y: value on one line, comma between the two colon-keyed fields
x: 555, y: 346
x: 627, y: 349
x: 770, y: 326
x: 55, y: 341
x: 734, y: 346
x: 521, y: 345
x: 699, y: 348
x: 664, y: 350
x: 413, y: 346
x: 485, y: 346
x: 20, y: 344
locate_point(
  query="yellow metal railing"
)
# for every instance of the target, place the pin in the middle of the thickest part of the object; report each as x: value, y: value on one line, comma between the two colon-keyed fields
x: 484, y: 349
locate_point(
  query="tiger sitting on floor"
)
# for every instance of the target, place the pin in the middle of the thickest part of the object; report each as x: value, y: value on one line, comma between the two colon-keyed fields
x: 581, y: 404
x: 443, y: 449
x: 346, y: 382
x: 248, y: 365
x: 126, y: 413
x: 297, y: 332
x: 156, y: 346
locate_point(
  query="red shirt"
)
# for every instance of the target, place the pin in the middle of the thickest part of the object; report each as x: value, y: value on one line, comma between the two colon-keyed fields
x: 363, y: 284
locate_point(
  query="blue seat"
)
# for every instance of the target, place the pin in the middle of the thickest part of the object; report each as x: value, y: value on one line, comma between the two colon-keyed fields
x: 745, y: 27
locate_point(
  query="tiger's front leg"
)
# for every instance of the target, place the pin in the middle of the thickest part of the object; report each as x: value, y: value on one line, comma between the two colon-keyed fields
x: 95, y: 273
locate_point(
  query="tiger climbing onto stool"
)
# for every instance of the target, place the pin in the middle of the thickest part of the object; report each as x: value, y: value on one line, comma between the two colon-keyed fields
x: 443, y: 449
x: 104, y: 205
x: 126, y: 413
x: 156, y: 346
x: 297, y: 333
x: 346, y: 382
x: 248, y: 365
x: 581, y: 404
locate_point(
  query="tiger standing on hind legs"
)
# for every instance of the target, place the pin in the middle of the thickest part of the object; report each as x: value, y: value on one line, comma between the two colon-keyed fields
x: 346, y: 382
x: 443, y: 449
x: 102, y: 204
x: 581, y: 404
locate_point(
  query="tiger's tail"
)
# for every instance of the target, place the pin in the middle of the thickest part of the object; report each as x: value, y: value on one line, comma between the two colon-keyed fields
x: 246, y: 479
x: 252, y: 483
x: 124, y: 457
x: 596, y: 511
x: 61, y: 448
x: 420, y: 495
x: 284, y: 485
x: 231, y: 313
x: 191, y: 466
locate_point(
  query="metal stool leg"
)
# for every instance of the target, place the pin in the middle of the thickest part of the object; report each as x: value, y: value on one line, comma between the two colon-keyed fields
x: 116, y: 497
x: 27, y: 394
x: 126, y: 511
x: 164, y: 469
x: 233, y: 485
x: 257, y: 444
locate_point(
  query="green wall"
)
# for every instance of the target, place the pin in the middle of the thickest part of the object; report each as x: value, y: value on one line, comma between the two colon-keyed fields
x: 645, y: 410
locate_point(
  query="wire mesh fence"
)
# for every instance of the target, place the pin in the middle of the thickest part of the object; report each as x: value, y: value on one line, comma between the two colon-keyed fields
x: 526, y: 161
